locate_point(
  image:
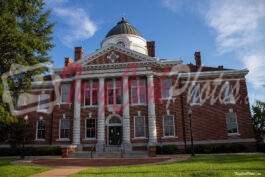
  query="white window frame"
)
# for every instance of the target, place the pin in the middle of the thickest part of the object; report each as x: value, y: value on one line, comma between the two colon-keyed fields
x: 231, y: 115
x: 37, y: 129
x: 116, y: 84
x: 164, y: 129
x: 40, y: 109
x: 144, y: 127
x: 95, y: 128
x: 138, y: 88
x: 195, y: 95
x: 65, y: 138
x: 168, y: 88
x: 91, y: 88
x: 228, y: 96
x: 64, y: 89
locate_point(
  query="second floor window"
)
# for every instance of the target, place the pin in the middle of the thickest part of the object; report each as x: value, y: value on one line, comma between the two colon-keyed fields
x: 114, y: 92
x: 166, y: 88
x: 91, y: 93
x: 43, y: 102
x: 65, y: 91
x: 194, y: 95
x: 228, y: 95
x: 138, y: 92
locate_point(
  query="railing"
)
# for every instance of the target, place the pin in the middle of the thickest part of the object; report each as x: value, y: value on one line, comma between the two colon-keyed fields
x: 92, y: 150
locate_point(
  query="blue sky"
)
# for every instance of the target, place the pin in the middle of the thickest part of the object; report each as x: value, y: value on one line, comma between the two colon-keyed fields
x: 226, y: 32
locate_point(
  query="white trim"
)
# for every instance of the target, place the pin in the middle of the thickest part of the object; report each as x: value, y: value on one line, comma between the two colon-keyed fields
x: 169, y: 137
x: 110, y: 117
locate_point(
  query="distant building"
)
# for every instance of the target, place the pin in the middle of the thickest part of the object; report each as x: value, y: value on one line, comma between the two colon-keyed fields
x: 122, y: 95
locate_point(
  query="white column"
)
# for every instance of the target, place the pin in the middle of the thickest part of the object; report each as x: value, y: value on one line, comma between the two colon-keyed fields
x: 151, y: 111
x: 76, y: 123
x: 101, y: 116
x: 126, y: 139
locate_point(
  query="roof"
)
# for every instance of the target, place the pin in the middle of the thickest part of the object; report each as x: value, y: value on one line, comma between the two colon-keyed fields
x: 123, y: 27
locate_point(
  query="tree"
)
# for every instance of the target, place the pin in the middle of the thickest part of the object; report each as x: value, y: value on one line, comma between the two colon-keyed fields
x: 25, y: 36
x: 258, y: 119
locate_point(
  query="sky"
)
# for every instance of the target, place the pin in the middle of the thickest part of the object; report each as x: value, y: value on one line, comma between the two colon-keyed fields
x: 226, y: 32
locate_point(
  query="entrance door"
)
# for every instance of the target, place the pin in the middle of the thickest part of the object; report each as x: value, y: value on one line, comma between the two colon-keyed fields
x: 115, y: 135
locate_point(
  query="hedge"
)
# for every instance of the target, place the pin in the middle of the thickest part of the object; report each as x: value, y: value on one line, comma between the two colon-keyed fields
x: 31, y: 151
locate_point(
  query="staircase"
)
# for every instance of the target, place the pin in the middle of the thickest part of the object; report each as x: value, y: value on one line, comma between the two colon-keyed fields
x: 110, y: 152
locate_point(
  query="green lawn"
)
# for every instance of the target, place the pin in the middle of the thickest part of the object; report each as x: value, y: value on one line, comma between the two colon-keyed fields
x: 198, y: 166
x: 9, y: 170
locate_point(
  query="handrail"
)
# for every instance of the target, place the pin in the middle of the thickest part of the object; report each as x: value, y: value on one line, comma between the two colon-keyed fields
x: 91, y: 152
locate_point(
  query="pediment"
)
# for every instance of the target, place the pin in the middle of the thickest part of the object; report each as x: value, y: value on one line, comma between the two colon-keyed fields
x: 112, y: 54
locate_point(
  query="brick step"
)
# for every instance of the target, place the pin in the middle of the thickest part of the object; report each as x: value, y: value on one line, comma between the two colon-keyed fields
x: 129, y: 154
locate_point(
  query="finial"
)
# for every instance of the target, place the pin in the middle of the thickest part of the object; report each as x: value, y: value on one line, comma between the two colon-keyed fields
x: 123, y: 18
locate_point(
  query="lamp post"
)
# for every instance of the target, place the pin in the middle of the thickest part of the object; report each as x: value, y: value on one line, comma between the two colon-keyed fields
x: 191, y: 137
x: 24, y: 138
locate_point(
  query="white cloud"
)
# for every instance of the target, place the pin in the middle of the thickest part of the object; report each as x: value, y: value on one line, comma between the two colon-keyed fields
x: 78, y: 25
x: 74, y: 23
x: 239, y: 26
x: 254, y: 61
x: 173, y: 5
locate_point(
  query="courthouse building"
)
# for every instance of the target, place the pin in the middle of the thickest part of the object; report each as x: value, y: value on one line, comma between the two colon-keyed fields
x: 121, y: 95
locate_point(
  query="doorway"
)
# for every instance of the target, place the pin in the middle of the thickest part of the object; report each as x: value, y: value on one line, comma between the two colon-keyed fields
x: 115, y: 135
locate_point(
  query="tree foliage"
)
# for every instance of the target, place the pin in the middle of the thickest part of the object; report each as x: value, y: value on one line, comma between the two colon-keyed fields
x: 25, y: 35
x: 258, y: 119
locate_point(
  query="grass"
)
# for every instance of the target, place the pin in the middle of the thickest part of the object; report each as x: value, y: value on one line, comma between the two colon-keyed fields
x: 198, y: 166
x: 9, y: 170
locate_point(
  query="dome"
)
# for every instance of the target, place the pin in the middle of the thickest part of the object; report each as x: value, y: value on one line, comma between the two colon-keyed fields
x: 123, y: 27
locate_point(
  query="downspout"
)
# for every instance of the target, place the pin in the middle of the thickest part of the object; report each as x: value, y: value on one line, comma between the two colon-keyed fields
x: 183, y: 116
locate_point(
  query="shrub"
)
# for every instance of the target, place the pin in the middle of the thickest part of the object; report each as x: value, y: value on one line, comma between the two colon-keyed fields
x: 31, y: 151
x: 167, y: 149
x: 261, y: 147
x: 218, y: 148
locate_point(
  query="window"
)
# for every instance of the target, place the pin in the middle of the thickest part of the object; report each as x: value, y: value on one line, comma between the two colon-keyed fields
x: 64, y: 128
x: 41, y: 129
x: 65, y: 91
x: 169, y: 126
x: 90, y: 128
x: 227, y: 91
x: 43, y: 102
x: 139, y: 126
x: 91, y: 94
x: 138, y: 92
x: 114, y: 92
x: 195, y: 96
x: 166, y: 88
x: 231, y: 123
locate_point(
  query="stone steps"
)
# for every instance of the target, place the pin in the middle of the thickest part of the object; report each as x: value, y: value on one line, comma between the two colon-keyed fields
x: 128, y: 154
